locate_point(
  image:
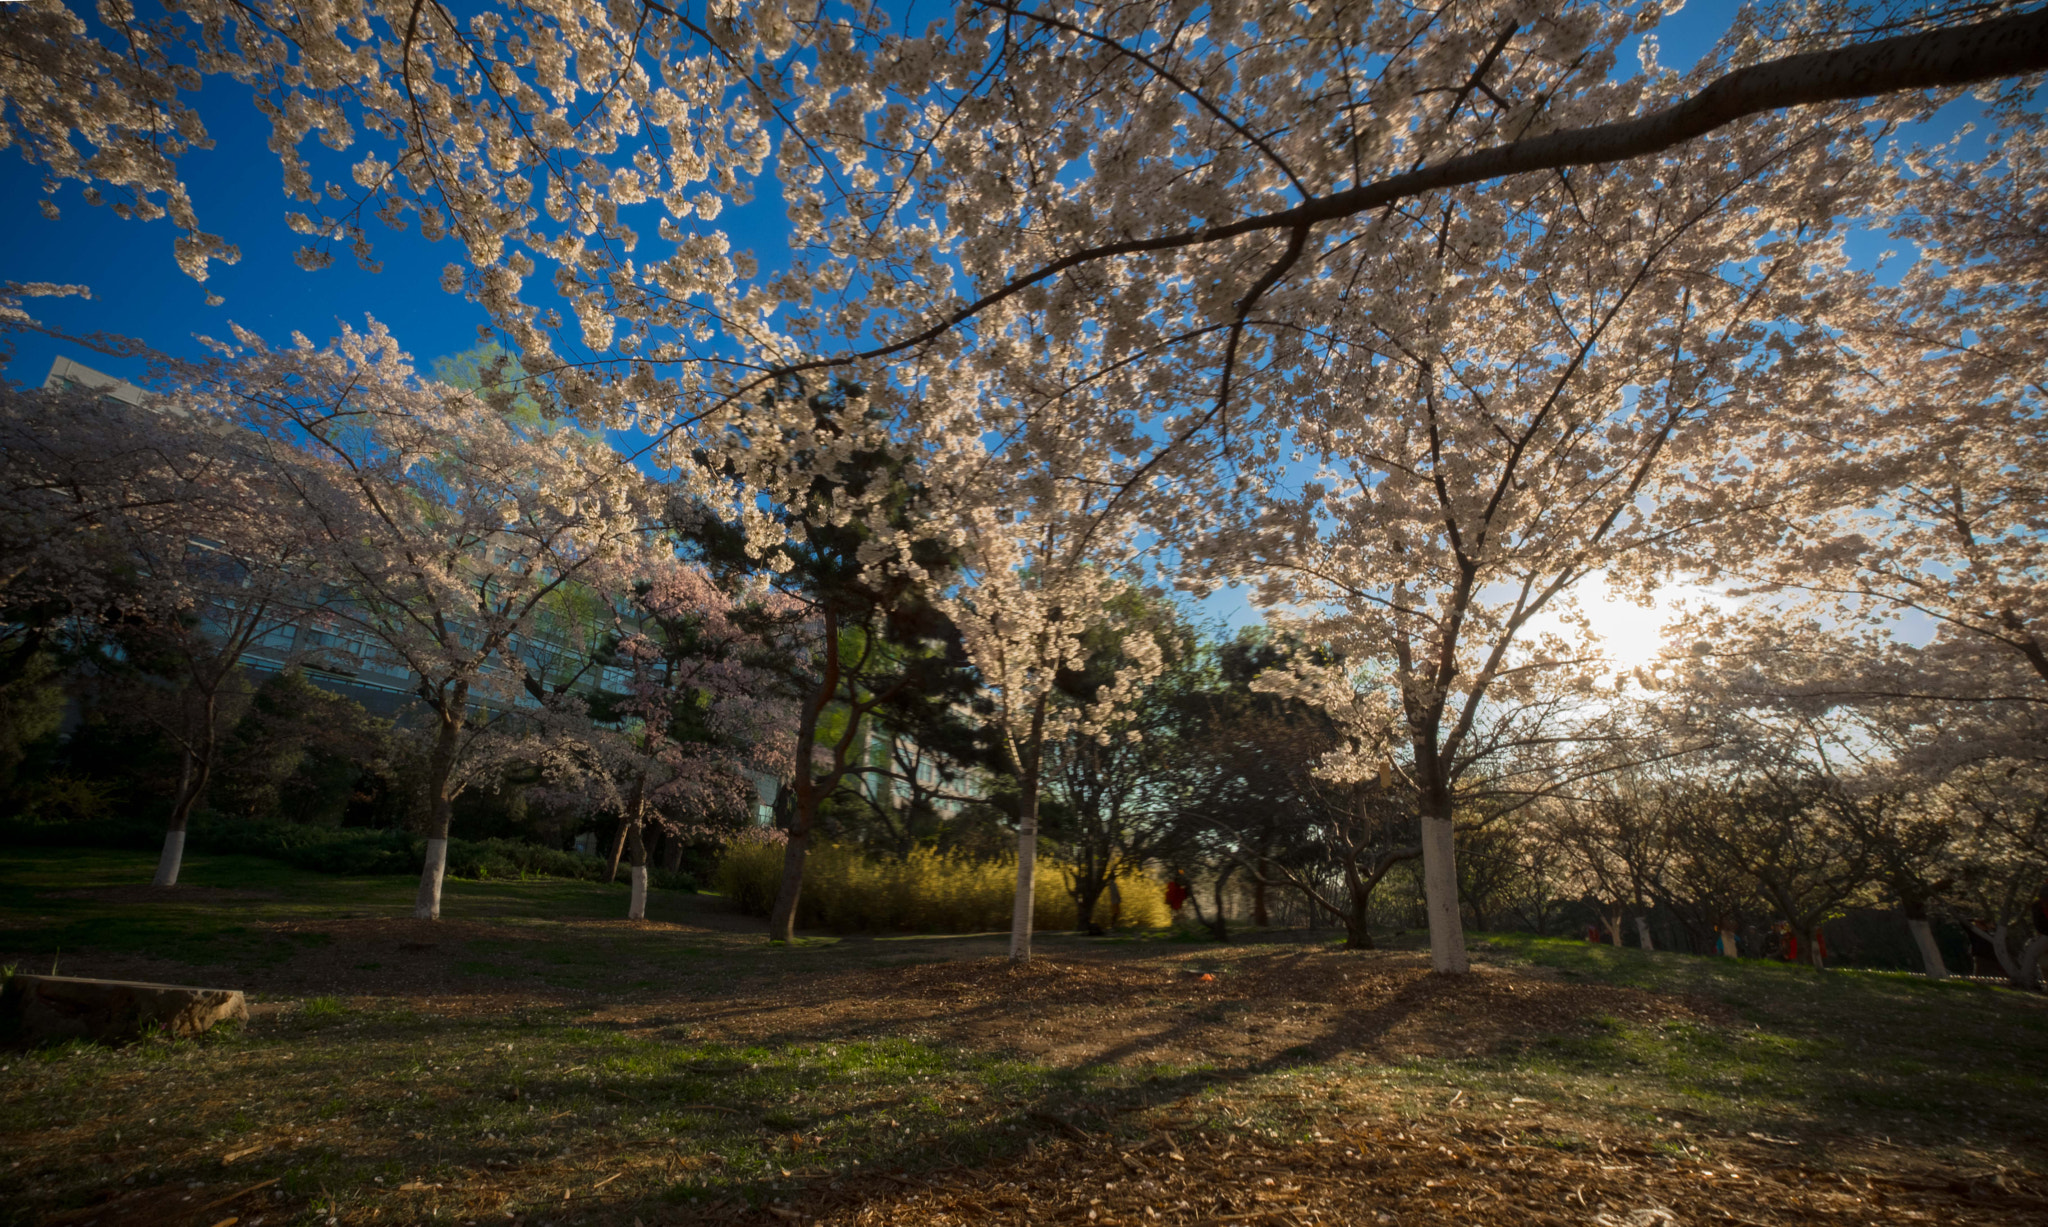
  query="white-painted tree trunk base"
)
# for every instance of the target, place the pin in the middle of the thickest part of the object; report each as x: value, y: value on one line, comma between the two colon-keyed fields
x: 1024, y: 904
x: 2030, y: 961
x: 637, y: 910
x: 1727, y: 944
x: 428, y: 906
x: 1440, y: 897
x: 1930, y: 953
x: 1643, y: 933
x: 172, y: 860
x: 1998, y: 951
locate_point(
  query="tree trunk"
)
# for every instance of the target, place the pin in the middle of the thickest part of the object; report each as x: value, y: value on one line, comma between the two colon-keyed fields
x: 1814, y: 949
x: 440, y: 809
x: 1643, y: 933
x: 636, y: 908
x: 172, y: 857
x: 2030, y: 962
x: 1614, y: 920
x: 1089, y: 887
x: 1027, y: 866
x: 1220, y: 927
x: 1357, y: 925
x: 618, y: 852
x: 1259, y: 915
x: 782, y: 921
x: 198, y: 770
x: 1440, y: 889
x: 1728, y: 949
x: 1998, y: 951
x: 1930, y: 953
x: 1116, y: 903
x: 807, y: 793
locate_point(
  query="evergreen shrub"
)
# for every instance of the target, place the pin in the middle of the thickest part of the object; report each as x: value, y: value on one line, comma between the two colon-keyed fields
x: 355, y: 851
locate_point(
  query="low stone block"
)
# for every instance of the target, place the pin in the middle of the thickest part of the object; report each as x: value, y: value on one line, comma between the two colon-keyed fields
x: 39, y: 1009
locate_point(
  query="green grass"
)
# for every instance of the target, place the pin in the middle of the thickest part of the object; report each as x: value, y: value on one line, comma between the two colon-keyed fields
x: 357, y: 1102
x: 1834, y: 1051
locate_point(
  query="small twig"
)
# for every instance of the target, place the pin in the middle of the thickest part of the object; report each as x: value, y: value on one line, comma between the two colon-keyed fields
x: 1063, y: 1125
x: 261, y: 1184
x: 607, y: 1180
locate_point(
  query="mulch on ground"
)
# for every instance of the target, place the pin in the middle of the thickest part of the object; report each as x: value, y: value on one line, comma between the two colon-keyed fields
x: 1440, y: 1172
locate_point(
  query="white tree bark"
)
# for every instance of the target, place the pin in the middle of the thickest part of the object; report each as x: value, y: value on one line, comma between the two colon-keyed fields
x: 2004, y: 956
x: 1440, y: 896
x: 428, y: 906
x: 2030, y: 961
x: 1027, y: 886
x: 172, y: 860
x: 1728, y: 944
x: 1930, y: 954
x: 637, y: 909
x: 1643, y: 933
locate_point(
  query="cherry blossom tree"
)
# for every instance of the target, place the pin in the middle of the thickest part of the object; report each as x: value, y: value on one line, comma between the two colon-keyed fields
x: 449, y: 527
x: 697, y: 714
x: 151, y: 523
x: 1571, y: 381
x: 945, y: 186
x: 1036, y: 593
x: 1921, y: 485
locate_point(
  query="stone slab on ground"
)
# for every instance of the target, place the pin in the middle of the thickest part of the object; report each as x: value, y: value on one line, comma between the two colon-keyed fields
x: 38, y: 1009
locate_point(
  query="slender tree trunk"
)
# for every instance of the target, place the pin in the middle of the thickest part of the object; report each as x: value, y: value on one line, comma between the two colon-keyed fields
x: 1813, y: 949
x: 636, y: 908
x: 1220, y: 927
x: 1116, y: 902
x: 2030, y: 962
x: 1727, y: 942
x: 192, y: 781
x: 1089, y: 888
x: 1998, y: 951
x: 1026, y: 900
x: 1440, y: 884
x: 1028, y: 759
x: 1259, y: 915
x: 172, y: 859
x: 805, y: 786
x: 1923, y: 939
x: 1643, y: 933
x: 783, y: 918
x: 440, y: 807
x: 1614, y: 920
x: 618, y: 852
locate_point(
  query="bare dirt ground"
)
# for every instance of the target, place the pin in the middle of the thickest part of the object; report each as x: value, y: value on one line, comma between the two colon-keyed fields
x: 1258, y: 1005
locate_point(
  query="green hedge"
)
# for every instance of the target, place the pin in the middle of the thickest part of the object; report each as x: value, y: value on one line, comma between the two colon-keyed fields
x: 342, y: 850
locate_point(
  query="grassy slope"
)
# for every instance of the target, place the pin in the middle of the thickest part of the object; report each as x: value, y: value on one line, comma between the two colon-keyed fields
x: 363, y: 1108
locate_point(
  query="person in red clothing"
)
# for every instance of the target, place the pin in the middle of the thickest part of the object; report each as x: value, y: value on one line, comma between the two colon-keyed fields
x: 1788, y: 943
x: 1176, y: 895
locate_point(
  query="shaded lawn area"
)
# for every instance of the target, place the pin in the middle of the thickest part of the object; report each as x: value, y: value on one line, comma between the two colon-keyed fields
x: 536, y: 1059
